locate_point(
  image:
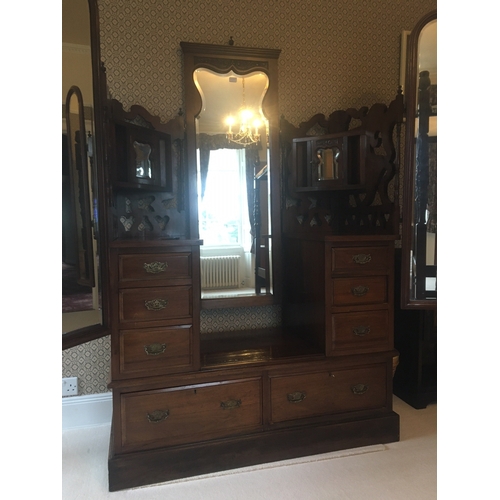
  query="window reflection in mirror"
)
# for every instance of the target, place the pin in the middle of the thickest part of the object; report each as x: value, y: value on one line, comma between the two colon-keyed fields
x: 233, y: 186
x: 328, y: 163
x: 425, y: 210
x: 419, y: 249
x: 80, y: 300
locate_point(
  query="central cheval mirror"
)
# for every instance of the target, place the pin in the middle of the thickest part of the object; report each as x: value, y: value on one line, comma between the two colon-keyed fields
x: 237, y: 215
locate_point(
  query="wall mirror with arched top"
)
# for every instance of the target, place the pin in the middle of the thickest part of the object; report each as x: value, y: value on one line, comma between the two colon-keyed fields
x: 419, y: 234
x: 232, y: 131
x: 84, y: 299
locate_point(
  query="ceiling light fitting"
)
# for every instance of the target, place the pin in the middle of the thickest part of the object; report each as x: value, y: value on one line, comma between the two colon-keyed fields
x: 248, y: 125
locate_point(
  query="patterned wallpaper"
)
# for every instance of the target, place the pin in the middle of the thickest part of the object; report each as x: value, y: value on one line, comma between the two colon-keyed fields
x: 335, y: 54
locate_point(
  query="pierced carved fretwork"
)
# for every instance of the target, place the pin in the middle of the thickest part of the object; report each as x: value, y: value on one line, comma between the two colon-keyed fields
x: 375, y: 207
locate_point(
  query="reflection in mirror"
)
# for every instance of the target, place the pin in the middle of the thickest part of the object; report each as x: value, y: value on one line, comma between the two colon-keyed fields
x: 425, y: 213
x: 420, y: 209
x: 142, y: 160
x: 328, y: 163
x: 78, y: 251
x: 80, y: 278
x: 233, y: 188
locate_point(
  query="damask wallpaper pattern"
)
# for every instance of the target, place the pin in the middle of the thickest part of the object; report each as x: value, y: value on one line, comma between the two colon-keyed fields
x: 335, y: 54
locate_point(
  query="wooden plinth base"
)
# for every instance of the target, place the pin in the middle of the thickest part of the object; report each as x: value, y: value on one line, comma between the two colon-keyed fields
x: 167, y: 464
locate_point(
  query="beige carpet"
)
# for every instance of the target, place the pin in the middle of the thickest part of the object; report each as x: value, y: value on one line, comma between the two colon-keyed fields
x: 404, y: 470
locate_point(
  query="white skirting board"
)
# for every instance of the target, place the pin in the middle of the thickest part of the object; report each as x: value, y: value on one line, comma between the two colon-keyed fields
x: 85, y: 411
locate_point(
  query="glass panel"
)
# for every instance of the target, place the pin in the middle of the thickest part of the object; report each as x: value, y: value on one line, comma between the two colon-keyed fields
x: 328, y: 163
x: 142, y: 160
x: 80, y: 300
x: 232, y: 149
x: 423, y: 268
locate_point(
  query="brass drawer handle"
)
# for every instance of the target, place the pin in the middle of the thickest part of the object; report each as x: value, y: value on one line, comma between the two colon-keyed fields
x: 361, y: 331
x: 230, y: 404
x: 155, y: 267
x: 359, y: 291
x: 155, y: 304
x: 362, y: 258
x: 158, y: 416
x: 155, y: 349
x: 296, y: 397
x: 359, y: 389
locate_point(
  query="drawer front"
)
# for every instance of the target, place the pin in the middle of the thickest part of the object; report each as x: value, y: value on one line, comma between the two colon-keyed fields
x: 190, y: 414
x: 360, y: 259
x: 358, y: 331
x: 160, y: 350
x: 308, y: 395
x: 361, y: 388
x: 154, y: 266
x: 301, y: 396
x: 359, y: 291
x: 149, y: 304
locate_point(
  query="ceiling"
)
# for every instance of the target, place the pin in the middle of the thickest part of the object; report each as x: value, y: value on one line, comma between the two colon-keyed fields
x: 75, y: 22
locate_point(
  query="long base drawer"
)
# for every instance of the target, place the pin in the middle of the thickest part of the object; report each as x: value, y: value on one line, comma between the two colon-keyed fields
x: 187, y: 414
x: 314, y: 394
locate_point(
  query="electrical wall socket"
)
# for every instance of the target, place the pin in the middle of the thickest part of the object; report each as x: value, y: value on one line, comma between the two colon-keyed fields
x: 70, y: 386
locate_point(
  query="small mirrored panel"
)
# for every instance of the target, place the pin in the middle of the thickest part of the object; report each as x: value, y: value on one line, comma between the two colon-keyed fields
x: 328, y: 163
x: 142, y: 160
x: 233, y: 185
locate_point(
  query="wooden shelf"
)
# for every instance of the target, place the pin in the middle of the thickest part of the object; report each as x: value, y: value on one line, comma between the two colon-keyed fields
x: 254, y: 346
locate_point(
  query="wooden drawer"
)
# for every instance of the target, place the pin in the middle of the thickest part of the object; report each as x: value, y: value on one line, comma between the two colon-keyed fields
x: 190, y: 413
x: 154, y: 266
x: 314, y: 394
x: 360, y: 331
x: 156, y: 350
x: 359, y: 291
x: 160, y: 303
x: 360, y: 259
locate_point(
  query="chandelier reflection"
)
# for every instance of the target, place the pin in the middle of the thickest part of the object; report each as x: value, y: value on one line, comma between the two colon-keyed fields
x: 247, y: 123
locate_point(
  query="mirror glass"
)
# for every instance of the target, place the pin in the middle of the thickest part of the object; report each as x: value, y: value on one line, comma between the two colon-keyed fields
x: 420, y: 211
x: 78, y: 251
x: 328, y: 163
x: 233, y: 185
x: 80, y: 279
